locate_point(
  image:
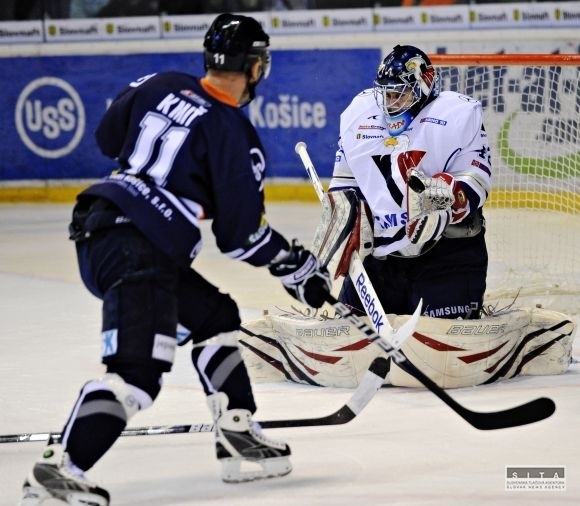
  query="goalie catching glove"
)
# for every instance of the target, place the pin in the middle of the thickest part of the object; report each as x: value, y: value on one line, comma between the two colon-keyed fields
x: 303, y: 276
x: 433, y: 203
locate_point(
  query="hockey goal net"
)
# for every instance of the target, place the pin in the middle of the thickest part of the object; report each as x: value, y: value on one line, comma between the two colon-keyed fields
x: 532, y: 117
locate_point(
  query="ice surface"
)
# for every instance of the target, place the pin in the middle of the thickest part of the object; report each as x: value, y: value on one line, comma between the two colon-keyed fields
x: 406, y: 448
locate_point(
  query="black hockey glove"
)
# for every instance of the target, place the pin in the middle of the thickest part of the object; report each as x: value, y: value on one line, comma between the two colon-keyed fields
x: 302, y: 276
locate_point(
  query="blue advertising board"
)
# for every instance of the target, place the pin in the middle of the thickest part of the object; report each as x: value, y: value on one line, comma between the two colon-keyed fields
x: 52, y: 105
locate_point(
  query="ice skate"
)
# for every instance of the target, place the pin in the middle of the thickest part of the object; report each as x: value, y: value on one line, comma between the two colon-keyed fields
x: 242, y: 449
x: 54, y: 477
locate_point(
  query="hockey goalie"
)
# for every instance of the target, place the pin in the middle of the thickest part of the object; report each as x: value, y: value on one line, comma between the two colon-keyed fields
x: 403, y: 222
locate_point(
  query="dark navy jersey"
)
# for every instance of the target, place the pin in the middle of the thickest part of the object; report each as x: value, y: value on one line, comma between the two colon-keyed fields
x: 184, y: 156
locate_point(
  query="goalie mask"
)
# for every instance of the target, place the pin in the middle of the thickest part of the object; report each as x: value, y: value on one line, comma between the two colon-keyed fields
x: 234, y: 43
x: 406, y: 82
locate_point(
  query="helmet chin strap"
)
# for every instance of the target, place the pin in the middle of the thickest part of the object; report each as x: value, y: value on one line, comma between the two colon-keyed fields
x: 249, y: 93
x: 250, y: 90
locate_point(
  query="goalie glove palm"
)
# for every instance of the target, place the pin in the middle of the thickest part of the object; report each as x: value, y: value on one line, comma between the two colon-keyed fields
x: 303, y: 277
x: 440, y: 192
x: 429, y: 202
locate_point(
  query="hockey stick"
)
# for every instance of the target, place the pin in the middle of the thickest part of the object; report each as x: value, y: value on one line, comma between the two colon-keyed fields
x: 358, y: 275
x: 370, y: 384
x: 529, y: 412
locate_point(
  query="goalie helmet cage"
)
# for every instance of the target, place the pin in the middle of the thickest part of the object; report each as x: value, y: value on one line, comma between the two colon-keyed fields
x: 531, y: 108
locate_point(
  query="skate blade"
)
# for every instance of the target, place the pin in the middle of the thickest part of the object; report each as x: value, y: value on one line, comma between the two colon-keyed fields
x: 33, y: 496
x: 36, y: 496
x: 237, y: 470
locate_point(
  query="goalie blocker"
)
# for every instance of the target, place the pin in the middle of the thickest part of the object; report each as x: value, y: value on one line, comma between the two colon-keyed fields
x: 345, y: 226
x: 452, y: 353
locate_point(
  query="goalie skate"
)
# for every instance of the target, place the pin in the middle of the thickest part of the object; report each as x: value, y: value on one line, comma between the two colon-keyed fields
x: 245, y: 454
x: 53, y: 478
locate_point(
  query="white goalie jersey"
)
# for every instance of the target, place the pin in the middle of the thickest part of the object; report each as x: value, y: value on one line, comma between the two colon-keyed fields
x: 446, y: 136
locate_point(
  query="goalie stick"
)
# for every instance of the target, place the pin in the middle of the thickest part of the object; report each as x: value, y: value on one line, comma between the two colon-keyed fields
x: 368, y: 387
x: 357, y: 272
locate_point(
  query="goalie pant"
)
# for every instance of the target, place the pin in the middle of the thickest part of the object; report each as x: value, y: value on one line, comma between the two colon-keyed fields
x: 450, y: 278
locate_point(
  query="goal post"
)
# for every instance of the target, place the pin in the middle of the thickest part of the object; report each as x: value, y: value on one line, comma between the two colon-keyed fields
x: 531, y: 108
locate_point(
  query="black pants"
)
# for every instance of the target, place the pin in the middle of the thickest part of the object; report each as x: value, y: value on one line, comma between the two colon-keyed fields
x: 145, y: 293
x: 451, y: 279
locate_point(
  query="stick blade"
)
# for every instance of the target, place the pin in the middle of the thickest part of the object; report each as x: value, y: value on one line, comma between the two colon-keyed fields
x: 399, y: 336
x: 530, y: 412
x: 368, y: 387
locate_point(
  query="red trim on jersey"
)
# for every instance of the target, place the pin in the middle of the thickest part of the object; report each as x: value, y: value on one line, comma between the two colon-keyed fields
x: 409, y: 160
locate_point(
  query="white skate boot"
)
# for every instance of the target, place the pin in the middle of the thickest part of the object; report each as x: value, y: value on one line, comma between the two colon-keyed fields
x: 242, y: 449
x: 54, y: 477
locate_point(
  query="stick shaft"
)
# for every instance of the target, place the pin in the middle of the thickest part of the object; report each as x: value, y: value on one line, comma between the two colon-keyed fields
x: 302, y: 152
x: 370, y: 384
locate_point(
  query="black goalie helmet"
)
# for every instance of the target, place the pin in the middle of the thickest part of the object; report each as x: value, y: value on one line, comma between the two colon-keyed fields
x: 406, y: 82
x: 234, y: 43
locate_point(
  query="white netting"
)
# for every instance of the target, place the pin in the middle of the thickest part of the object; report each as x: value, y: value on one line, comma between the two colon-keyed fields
x: 532, y: 117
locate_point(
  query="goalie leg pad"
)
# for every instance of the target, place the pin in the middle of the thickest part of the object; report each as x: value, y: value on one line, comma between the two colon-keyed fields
x: 547, y: 347
x: 462, y: 353
x: 307, y: 350
x: 453, y: 353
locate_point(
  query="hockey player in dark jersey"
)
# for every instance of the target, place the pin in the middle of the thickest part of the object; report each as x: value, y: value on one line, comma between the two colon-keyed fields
x: 186, y: 152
